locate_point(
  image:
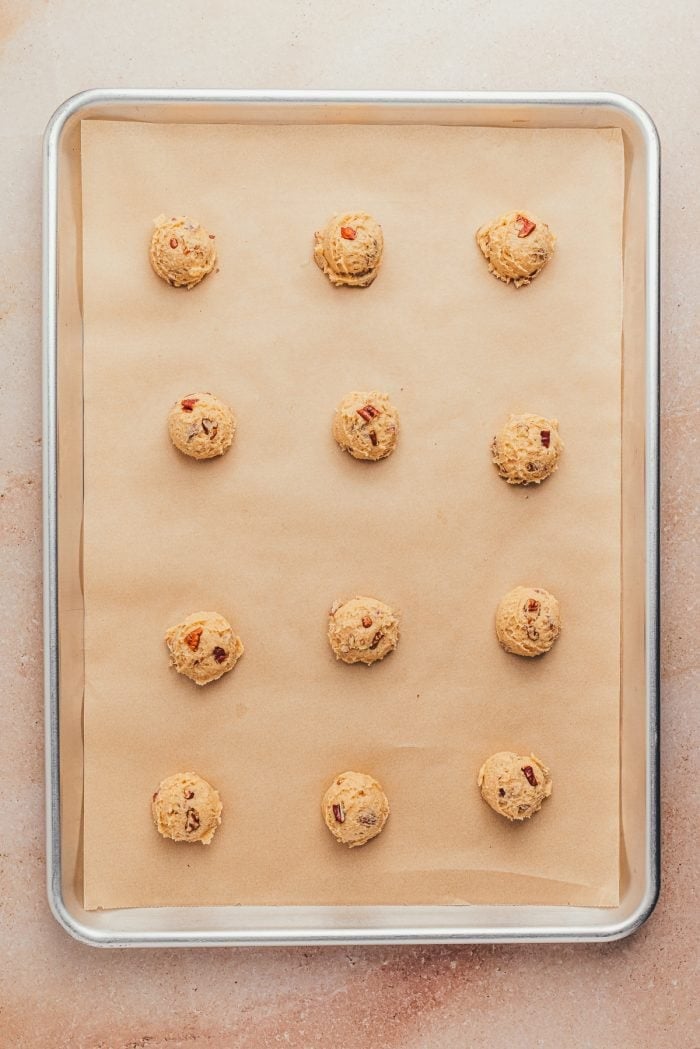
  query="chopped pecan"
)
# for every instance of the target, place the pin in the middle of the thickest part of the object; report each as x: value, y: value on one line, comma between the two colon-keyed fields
x: 192, y: 639
x: 348, y: 233
x: 544, y: 437
x: 188, y: 403
x: 173, y: 242
x: 210, y: 428
x: 339, y: 813
x: 526, y: 227
x: 532, y: 606
x: 366, y: 621
x: 189, y: 794
x: 368, y: 412
x: 376, y: 639
x: 219, y: 654
x: 501, y: 792
x: 529, y: 775
x: 373, y: 437
x: 192, y: 821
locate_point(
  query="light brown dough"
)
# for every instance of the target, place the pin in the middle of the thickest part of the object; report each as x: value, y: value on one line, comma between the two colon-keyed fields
x: 201, y: 426
x: 517, y: 246
x: 186, y: 808
x: 527, y: 449
x: 203, y: 647
x: 514, y: 785
x: 355, y: 808
x: 366, y: 425
x: 182, y: 252
x: 349, y: 250
x: 528, y: 621
x: 362, y: 630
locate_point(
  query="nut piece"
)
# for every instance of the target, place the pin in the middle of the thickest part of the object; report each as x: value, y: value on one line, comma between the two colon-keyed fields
x: 201, y: 426
x: 203, y: 647
x: 355, y: 808
x: 186, y: 808
x: 513, y: 785
x: 527, y: 449
x: 366, y: 424
x: 353, y: 640
x: 528, y: 621
x: 516, y: 247
x: 181, y: 252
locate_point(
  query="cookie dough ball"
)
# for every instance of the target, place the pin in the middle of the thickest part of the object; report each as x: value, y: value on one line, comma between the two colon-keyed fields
x: 527, y: 621
x: 355, y: 808
x: 349, y: 250
x: 527, y: 449
x: 203, y: 647
x: 513, y: 785
x: 362, y: 630
x: 186, y: 808
x: 201, y: 426
x: 366, y: 425
x: 182, y: 251
x: 517, y: 246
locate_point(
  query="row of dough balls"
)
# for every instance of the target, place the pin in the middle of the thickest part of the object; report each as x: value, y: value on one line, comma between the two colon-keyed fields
x: 366, y: 424
x: 349, y: 249
x: 355, y: 808
x: 204, y: 646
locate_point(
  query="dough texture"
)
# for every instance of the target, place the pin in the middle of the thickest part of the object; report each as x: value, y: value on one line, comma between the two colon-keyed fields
x: 527, y: 449
x: 517, y: 246
x: 514, y: 785
x: 366, y: 425
x: 527, y: 621
x: 349, y: 250
x: 362, y: 630
x: 355, y: 808
x: 182, y: 251
x: 186, y: 808
x: 201, y: 426
x: 203, y: 647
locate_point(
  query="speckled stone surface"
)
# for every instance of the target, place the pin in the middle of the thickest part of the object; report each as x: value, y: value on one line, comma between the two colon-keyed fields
x: 55, y: 993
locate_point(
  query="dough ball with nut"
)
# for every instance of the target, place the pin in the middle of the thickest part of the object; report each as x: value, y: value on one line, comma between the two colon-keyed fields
x: 355, y: 808
x: 186, y: 808
x: 366, y: 425
x: 516, y: 246
x: 182, y: 251
x: 362, y: 630
x: 203, y: 647
x: 514, y: 785
x: 201, y: 426
x: 528, y: 621
x: 349, y: 250
x: 527, y: 449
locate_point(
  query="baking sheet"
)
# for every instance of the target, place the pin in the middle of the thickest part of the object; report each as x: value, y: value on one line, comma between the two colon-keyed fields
x: 285, y: 523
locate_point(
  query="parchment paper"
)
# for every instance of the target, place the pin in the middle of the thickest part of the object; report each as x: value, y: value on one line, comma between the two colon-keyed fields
x: 285, y: 523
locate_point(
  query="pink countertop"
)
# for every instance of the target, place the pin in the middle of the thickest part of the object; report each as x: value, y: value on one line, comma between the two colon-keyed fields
x: 56, y: 993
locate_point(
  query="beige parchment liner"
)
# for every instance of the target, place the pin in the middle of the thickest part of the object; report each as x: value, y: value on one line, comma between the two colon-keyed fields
x: 273, y: 532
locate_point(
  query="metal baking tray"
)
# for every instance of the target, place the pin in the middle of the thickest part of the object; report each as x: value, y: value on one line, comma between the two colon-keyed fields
x: 63, y: 449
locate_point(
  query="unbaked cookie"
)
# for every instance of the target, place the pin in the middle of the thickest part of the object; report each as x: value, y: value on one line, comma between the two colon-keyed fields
x: 203, y: 647
x: 527, y: 449
x: 527, y: 621
x: 349, y: 250
x: 362, y: 630
x: 355, y: 808
x: 513, y: 785
x: 182, y: 251
x: 186, y: 808
x: 517, y: 246
x: 366, y: 425
x: 201, y: 426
